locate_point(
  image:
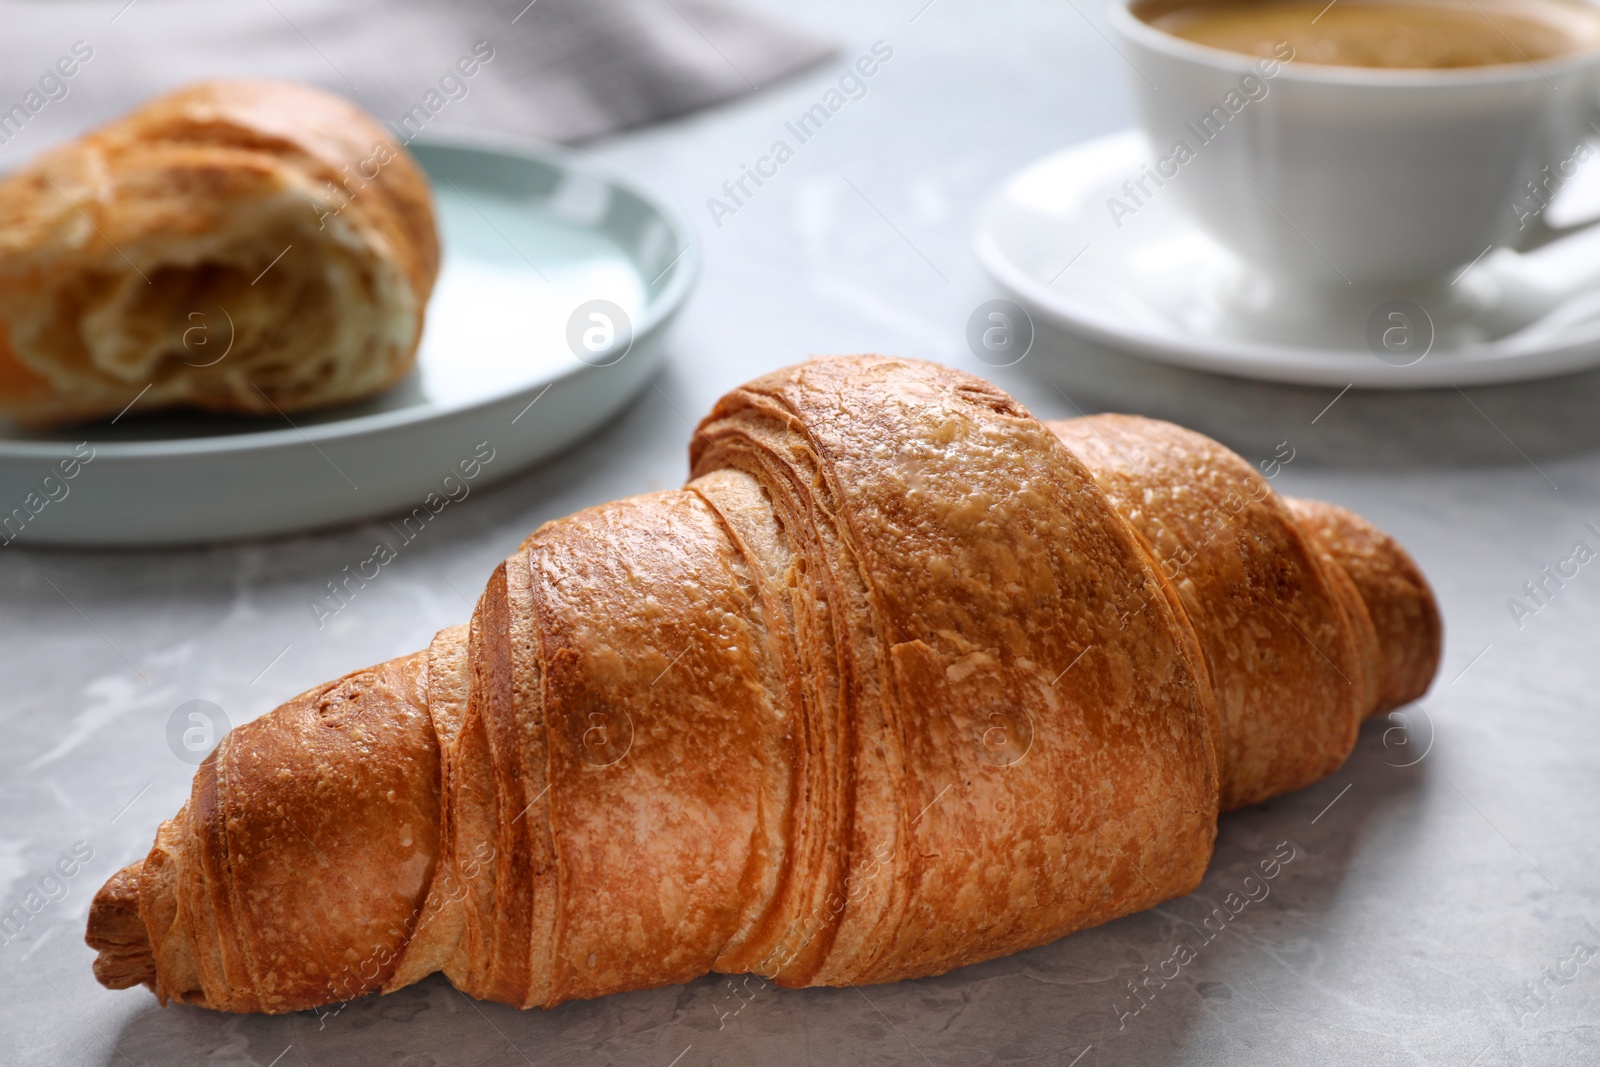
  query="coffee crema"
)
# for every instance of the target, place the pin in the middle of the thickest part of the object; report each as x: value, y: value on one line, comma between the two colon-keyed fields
x: 1414, y: 34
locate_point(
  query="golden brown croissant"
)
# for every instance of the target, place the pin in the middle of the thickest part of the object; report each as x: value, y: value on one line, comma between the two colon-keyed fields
x: 897, y: 683
x: 236, y: 246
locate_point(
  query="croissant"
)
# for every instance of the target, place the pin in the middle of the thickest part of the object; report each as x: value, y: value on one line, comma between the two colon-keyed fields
x: 234, y: 246
x: 902, y: 680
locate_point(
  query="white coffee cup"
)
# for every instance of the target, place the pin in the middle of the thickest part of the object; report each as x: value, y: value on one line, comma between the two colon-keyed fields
x: 1344, y: 176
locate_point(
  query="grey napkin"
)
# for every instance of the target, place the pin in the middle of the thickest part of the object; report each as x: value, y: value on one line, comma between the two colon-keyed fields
x: 559, y: 70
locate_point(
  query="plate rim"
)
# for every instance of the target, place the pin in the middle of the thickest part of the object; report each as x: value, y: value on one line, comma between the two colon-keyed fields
x: 1254, y: 359
x: 658, y: 311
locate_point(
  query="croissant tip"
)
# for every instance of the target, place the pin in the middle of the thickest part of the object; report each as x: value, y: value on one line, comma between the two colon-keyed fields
x: 116, y: 931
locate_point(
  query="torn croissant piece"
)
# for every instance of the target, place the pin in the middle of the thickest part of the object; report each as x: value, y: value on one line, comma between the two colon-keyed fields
x: 236, y: 246
x: 902, y: 680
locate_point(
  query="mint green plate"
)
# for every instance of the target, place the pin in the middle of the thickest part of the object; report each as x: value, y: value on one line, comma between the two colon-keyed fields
x: 556, y: 286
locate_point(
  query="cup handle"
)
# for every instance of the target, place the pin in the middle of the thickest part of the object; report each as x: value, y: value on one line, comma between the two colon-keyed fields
x: 1541, y: 233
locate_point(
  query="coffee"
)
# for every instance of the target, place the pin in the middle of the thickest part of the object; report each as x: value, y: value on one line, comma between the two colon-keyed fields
x: 1415, y: 34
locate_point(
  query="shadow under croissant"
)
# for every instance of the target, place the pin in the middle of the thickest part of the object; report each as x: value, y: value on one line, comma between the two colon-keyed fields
x: 1042, y: 1005
x: 1366, y: 429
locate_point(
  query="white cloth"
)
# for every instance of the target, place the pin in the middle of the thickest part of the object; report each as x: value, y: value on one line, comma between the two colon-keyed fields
x: 560, y: 70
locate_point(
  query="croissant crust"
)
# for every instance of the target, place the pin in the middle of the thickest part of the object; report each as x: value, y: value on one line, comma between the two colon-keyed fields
x: 901, y: 680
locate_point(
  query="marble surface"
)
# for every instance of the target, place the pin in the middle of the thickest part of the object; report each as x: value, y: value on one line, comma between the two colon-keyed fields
x: 1450, y: 866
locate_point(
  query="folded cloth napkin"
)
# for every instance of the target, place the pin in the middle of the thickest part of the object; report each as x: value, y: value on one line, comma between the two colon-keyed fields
x: 559, y: 70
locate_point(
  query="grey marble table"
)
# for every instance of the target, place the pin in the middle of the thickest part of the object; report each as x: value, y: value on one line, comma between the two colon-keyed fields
x: 1445, y: 883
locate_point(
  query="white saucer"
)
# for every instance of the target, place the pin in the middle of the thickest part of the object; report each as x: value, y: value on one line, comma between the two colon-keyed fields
x: 529, y: 238
x: 1157, y: 287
